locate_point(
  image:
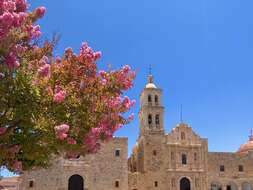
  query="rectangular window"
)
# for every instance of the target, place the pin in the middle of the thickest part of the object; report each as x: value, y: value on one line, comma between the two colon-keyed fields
x: 240, y: 168
x: 154, y: 152
x: 184, y: 159
x: 117, y: 153
x: 156, y: 184
x: 222, y: 168
x: 31, y: 183
x: 117, y: 184
x: 195, y: 156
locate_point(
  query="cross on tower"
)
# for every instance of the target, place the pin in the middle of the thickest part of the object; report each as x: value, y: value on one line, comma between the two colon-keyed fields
x: 150, y: 69
x: 181, y: 113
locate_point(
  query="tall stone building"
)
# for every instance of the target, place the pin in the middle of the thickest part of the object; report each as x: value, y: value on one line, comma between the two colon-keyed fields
x: 178, y: 160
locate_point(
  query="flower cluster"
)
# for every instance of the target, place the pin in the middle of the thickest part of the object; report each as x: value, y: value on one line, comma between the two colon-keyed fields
x: 65, y: 104
x: 61, y: 131
x: 13, y: 18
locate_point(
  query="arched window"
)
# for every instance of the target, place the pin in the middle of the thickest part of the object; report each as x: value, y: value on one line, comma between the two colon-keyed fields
x: 149, y: 119
x: 216, y: 186
x: 232, y: 186
x: 149, y: 98
x: 182, y: 136
x: 157, y: 119
x: 246, y: 186
x: 184, y: 159
x: 156, y: 99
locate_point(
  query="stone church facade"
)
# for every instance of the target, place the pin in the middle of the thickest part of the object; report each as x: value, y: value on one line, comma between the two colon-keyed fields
x: 178, y: 160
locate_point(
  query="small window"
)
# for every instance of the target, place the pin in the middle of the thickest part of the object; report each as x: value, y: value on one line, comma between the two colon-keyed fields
x: 149, y: 119
x: 229, y: 187
x: 117, y: 184
x: 149, y: 98
x: 156, y: 99
x: 31, y: 183
x: 154, y: 152
x: 184, y: 159
x: 195, y: 156
x: 156, y: 183
x: 240, y: 168
x: 222, y: 168
x: 157, y: 119
x: 117, y: 153
x: 182, y: 136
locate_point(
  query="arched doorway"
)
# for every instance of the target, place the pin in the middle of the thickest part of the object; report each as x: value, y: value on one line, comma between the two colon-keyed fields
x: 232, y: 186
x: 246, y: 186
x: 76, y: 183
x: 185, y: 184
x: 216, y: 186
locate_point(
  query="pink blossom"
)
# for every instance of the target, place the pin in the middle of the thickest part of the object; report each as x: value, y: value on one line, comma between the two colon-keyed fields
x: 114, y: 102
x: 103, y: 81
x: 126, y: 68
x: 61, y: 136
x: 21, y: 5
x: 61, y: 131
x: 3, y: 130
x: 40, y: 11
x: 63, y: 128
x: 44, y: 60
x: 9, y: 6
x: 102, y: 74
x: 88, y: 54
x: 6, y: 19
x: 128, y: 103
x: 131, y: 117
x: 44, y: 70
x: 59, y: 97
x: 11, y: 61
x: 71, y: 140
x: 34, y: 31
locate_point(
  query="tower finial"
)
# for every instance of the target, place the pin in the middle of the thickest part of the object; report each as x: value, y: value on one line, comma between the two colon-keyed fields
x: 150, y: 76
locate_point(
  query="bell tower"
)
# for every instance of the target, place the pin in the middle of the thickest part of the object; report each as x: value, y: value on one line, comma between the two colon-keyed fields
x: 151, y: 115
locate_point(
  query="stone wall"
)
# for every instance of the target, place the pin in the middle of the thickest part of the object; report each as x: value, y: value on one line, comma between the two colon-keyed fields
x: 100, y: 171
x: 231, y: 175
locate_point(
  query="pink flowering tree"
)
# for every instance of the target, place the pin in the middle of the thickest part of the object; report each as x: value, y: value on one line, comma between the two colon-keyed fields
x: 53, y: 105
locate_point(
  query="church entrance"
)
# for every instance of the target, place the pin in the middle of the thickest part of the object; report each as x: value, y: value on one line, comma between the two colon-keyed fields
x: 76, y: 183
x: 185, y: 184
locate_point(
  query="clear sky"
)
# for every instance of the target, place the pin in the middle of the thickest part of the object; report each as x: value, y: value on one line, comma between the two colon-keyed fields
x: 201, y: 52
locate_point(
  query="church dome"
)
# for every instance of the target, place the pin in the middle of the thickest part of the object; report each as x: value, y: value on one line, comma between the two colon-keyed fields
x: 150, y: 85
x: 245, y: 148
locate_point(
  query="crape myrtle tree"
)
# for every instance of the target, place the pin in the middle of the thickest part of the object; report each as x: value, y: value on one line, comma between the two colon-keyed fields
x: 61, y: 106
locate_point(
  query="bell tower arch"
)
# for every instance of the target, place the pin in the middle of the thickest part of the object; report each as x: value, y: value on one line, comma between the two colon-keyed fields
x: 151, y: 115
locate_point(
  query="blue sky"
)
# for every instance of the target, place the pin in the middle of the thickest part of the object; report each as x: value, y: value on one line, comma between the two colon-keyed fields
x: 201, y: 52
